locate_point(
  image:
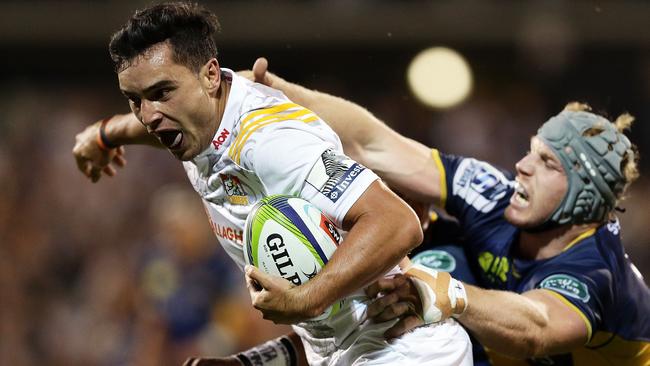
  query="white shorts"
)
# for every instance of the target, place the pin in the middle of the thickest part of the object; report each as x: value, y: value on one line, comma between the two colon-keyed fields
x: 445, y: 343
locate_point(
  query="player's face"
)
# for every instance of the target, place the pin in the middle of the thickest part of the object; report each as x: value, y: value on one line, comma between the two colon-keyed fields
x: 174, y: 103
x: 541, y: 186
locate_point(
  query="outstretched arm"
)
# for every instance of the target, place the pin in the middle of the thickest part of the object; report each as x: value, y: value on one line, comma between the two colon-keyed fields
x: 532, y: 324
x: 91, y: 152
x: 406, y: 165
x: 535, y: 323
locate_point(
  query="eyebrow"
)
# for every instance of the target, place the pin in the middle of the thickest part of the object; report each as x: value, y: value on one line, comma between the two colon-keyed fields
x: 157, y: 85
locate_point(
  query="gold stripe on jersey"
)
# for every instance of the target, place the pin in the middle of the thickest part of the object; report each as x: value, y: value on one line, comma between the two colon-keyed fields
x: 610, y: 349
x: 262, y: 112
x: 264, y: 121
x: 574, y: 308
x: 605, y: 349
x: 267, y: 116
x: 584, y: 235
x: 443, y: 179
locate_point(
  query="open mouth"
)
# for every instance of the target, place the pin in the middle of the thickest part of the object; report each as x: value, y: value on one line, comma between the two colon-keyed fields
x: 172, y: 139
x: 520, y: 195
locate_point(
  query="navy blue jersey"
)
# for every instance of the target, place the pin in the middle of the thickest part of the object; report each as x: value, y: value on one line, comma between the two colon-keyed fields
x: 592, y: 275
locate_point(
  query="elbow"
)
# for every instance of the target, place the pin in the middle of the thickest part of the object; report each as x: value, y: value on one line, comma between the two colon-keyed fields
x: 530, y: 345
x: 411, y: 234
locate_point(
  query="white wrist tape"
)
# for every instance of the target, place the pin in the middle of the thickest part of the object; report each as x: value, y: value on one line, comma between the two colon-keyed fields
x: 276, y: 352
x: 441, y: 295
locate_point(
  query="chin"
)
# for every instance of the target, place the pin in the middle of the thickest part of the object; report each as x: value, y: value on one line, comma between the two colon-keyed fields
x: 517, y: 219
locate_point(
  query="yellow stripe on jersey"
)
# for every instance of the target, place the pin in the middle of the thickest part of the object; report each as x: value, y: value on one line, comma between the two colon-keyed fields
x: 443, y: 179
x: 264, y: 121
x: 610, y: 349
x: 574, y: 308
x: 262, y: 112
x: 267, y: 116
x: 575, y: 241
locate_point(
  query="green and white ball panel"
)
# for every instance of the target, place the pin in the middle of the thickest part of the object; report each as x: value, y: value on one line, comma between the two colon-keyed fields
x: 289, y: 237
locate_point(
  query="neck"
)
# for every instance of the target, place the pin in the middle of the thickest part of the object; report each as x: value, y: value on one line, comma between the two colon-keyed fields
x: 549, y: 243
x: 222, y: 99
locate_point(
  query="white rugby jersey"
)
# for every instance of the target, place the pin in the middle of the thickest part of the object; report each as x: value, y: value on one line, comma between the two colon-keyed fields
x: 268, y: 145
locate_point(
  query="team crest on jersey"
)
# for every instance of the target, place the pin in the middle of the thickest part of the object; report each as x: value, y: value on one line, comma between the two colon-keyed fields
x: 480, y: 184
x: 333, y: 174
x: 234, y: 189
x: 436, y: 259
x: 566, y: 285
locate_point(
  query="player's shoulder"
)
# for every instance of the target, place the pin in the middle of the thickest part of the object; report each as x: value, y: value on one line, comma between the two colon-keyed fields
x: 278, y: 125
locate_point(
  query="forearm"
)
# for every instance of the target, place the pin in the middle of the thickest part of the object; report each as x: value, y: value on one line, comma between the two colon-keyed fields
x: 514, y: 325
x: 125, y: 129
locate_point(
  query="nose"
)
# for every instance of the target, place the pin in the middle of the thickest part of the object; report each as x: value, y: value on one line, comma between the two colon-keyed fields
x: 524, y: 166
x: 150, y: 115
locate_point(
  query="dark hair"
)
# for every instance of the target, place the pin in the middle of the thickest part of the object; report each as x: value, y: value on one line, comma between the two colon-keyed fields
x: 189, y: 28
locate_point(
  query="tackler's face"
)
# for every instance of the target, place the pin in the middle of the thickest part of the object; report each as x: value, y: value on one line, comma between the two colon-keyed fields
x: 172, y: 101
x: 541, y: 185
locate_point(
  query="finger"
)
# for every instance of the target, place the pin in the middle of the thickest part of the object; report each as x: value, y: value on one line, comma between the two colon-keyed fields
x: 109, y: 170
x: 258, y: 277
x: 403, y: 325
x: 383, y: 285
x: 395, y: 310
x: 85, y: 167
x: 260, y: 67
x: 120, y: 150
x: 253, y: 286
x: 119, y: 160
x: 95, y: 173
x: 379, y: 305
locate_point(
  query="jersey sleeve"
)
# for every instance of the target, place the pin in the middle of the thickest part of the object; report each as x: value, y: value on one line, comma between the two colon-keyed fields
x: 473, y: 191
x: 584, y: 288
x: 292, y: 159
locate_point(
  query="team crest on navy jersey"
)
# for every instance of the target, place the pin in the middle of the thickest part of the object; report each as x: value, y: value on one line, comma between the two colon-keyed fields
x: 234, y: 189
x: 566, y: 285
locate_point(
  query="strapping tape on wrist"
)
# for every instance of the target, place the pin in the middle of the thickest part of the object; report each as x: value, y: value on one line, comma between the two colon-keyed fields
x: 442, y: 296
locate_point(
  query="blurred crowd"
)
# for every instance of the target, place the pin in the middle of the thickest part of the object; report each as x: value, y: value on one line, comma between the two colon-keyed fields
x: 127, y: 271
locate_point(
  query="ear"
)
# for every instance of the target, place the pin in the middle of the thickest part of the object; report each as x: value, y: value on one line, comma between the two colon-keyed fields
x: 210, y: 75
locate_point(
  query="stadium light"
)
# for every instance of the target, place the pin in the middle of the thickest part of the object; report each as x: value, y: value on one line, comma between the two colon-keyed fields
x: 439, y: 77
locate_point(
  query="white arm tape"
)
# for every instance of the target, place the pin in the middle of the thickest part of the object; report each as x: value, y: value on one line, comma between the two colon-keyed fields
x: 430, y: 312
x: 431, y: 304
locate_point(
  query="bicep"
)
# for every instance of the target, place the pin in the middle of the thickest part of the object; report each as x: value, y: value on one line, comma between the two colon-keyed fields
x: 567, y: 327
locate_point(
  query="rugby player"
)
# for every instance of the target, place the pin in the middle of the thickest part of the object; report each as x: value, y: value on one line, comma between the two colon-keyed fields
x: 239, y: 142
x: 554, y: 285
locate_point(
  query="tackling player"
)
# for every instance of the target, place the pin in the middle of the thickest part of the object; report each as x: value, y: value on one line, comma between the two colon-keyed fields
x: 557, y: 286
x: 241, y: 141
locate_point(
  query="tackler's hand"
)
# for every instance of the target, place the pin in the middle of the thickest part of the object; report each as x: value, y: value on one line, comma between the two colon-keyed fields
x: 421, y: 296
x: 93, y: 157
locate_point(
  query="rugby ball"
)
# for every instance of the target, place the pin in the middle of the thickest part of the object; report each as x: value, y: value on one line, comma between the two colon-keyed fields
x: 289, y: 237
